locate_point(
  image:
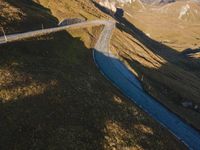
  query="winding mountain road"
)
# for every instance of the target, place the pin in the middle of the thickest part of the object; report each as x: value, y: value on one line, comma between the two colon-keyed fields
x: 115, y: 71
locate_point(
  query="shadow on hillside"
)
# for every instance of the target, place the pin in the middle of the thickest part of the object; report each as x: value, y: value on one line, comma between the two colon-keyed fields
x: 193, y: 57
x: 71, y: 113
x: 29, y: 16
x: 169, y: 54
x: 164, y: 51
x: 191, y: 51
x: 176, y: 64
x: 181, y: 72
x: 53, y: 97
x: 177, y: 80
x: 29, y: 3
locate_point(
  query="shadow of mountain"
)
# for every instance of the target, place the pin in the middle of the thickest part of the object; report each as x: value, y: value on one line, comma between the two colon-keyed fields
x: 26, y: 15
x: 52, y: 96
x: 174, y: 82
x: 177, y: 80
x: 103, y: 9
x: 192, y: 56
x: 29, y: 3
x: 73, y: 113
x: 190, y: 51
x: 164, y: 51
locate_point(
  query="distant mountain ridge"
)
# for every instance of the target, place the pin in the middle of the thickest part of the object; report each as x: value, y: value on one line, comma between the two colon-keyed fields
x: 183, y: 10
x: 143, y: 1
x: 158, y: 1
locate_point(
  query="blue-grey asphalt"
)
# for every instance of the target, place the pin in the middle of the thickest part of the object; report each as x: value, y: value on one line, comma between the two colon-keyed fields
x: 114, y: 70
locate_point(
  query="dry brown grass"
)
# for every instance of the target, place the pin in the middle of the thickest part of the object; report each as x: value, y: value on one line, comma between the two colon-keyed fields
x: 169, y: 78
x: 73, y: 8
x: 166, y: 28
x: 53, y: 97
x: 21, y: 15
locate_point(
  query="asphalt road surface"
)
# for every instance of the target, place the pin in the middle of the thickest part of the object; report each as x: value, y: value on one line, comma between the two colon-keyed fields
x: 119, y: 75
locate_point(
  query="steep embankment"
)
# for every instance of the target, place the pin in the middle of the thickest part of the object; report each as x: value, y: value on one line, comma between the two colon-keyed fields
x: 168, y: 68
x: 53, y: 97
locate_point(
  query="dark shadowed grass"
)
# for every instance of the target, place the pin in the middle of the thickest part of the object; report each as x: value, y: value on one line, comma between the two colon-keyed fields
x: 164, y: 72
x: 18, y: 16
x: 53, y: 97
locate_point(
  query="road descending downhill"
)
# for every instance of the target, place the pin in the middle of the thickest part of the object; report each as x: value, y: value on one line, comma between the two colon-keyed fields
x: 115, y: 71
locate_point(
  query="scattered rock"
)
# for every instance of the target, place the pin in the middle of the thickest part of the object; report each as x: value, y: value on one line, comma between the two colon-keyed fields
x: 187, y: 104
x: 196, y: 107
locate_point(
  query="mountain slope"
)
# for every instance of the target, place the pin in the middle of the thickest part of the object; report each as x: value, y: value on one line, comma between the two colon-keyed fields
x: 53, y: 96
x: 163, y: 51
x: 158, y: 2
x: 22, y: 15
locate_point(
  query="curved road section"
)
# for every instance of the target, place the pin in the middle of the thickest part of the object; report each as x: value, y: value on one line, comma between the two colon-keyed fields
x: 115, y: 71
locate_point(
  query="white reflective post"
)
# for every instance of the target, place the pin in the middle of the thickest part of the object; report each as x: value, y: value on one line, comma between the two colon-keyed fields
x: 4, y: 34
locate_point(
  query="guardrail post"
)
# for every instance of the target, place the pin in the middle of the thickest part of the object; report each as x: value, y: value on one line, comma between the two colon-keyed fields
x: 4, y: 34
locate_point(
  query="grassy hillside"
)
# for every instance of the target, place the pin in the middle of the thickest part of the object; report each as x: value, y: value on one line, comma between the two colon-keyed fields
x: 24, y: 15
x: 166, y: 24
x: 71, y: 9
x: 169, y: 72
x: 52, y: 96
